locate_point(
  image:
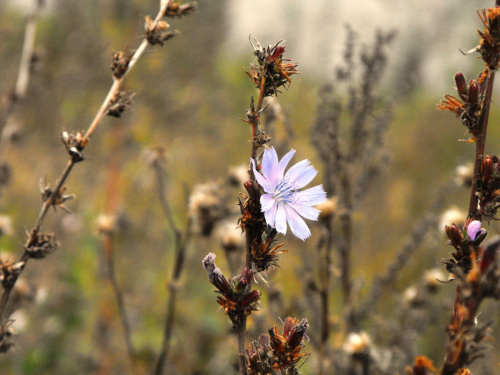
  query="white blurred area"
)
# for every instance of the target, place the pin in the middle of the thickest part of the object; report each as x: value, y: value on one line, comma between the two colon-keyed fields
x: 430, y: 32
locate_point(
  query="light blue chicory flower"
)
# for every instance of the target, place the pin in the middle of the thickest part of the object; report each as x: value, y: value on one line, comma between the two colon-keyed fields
x: 283, y: 202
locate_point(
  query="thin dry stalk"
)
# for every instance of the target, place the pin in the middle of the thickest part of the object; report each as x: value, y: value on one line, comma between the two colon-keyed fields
x: 24, y: 72
x: 53, y: 196
x: 181, y: 243
x: 108, y: 250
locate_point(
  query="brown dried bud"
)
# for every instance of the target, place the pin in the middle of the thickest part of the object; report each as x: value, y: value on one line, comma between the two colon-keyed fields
x: 120, y: 102
x: 157, y: 34
x: 486, y: 168
x: 176, y: 10
x: 473, y: 92
x: 40, y: 244
x: 461, y: 85
x: 297, y: 333
x: 454, y: 234
x: 120, y: 63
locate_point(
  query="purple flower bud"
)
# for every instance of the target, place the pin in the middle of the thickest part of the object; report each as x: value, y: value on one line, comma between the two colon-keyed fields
x: 473, y: 229
x: 461, y: 85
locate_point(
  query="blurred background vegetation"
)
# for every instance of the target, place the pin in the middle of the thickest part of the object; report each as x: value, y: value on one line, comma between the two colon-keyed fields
x: 190, y: 95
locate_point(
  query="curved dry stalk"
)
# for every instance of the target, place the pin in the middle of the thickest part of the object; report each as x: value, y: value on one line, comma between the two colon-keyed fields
x: 24, y: 71
x: 53, y: 195
x: 181, y: 243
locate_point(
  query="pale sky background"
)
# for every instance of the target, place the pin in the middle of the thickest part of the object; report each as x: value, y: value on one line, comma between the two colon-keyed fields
x: 429, y: 30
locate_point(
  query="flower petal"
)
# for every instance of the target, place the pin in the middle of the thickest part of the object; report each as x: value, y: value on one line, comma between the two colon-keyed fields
x: 473, y: 229
x: 301, y: 173
x: 270, y: 168
x: 281, y: 219
x: 297, y: 224
x: 306, y: 211
x: 266, y: 202
x: 284, y: 162
x: 311, y: 196
x: 266, y: 185
x: 270, y: 215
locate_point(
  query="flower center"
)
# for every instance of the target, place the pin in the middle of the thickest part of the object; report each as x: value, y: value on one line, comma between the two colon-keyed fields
x: 285, y: 192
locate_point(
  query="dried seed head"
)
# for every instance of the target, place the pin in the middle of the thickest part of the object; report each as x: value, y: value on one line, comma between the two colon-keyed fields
x: 5, y: 226
x: 176, y: 10
x: 452, y: 216
x: 40, y: 244
x: 106, y: 224
x: 206, y: 207
x: 432, y: 278
x: 328, y: 208
x: 120, y: 102
x: 357, y: 342
x: 230, y: 236
x: 238, y: 175
x: 157, y: 34
x: 121, y: 61
x: 74, y: 143
x: 463, y: 174
x: 9, y: 272
x: 155, y: 156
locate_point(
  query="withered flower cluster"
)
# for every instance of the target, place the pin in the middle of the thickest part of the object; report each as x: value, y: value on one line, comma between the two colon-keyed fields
x: 475, y: 270
x: 489, y: 46
x: 278, y: 354
x: 468, y: 107
x: 236, y: 297
x: 488, y: 187
x: 271, y: 70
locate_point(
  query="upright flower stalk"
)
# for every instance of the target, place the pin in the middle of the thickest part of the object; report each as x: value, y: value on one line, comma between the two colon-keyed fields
x: 473, y: 265
x: 272, y: 202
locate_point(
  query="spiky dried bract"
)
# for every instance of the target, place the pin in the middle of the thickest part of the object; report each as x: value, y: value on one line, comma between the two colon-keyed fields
x: 158, y: 34
x: 271, y: 67
x: 119, y: 103
x: 40, y: 244
x: 237, y: 299
x: 476, y: 272
x: 9, y: 272
x: 422, y: 366
x: 120, y: 63
x: 174, y: 9
x: 468, y: 107
x: 489, y: 46
x: 278, y: 354
x: 74, y: 143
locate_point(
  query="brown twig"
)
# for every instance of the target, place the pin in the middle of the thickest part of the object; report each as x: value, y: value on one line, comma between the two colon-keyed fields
x: 55, y: 193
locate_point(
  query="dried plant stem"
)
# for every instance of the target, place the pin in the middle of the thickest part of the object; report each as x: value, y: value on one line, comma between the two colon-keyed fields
x: 24, y: 70
x: 480, y: 144
x: 181, y: 244
x: 110, y: 265
x: 326, y: 274
x: 56, y: 191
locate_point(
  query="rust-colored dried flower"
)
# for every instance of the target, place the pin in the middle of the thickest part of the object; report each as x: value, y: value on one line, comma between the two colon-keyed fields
x: 468, y: 107
x: 489, y: 46
x: 272, y: 70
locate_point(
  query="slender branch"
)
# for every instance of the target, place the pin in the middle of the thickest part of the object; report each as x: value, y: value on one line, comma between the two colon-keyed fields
x: 480, y: 144
x: 181, y: 243
x: 110, y: 263
x: 56, y: 191
x: 24, y: 70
